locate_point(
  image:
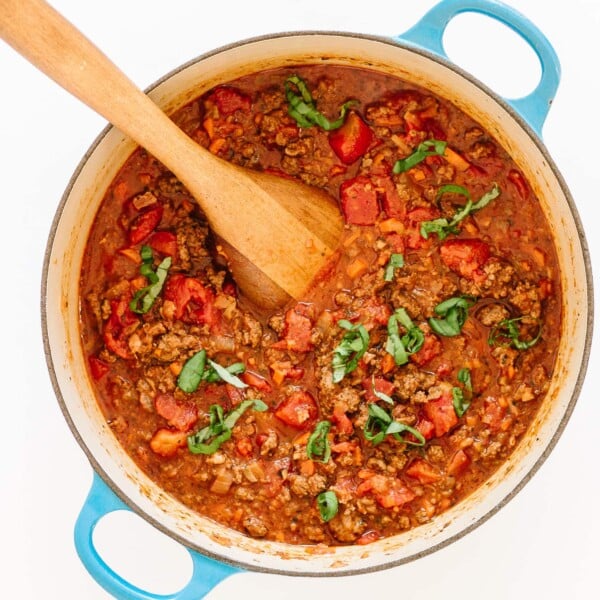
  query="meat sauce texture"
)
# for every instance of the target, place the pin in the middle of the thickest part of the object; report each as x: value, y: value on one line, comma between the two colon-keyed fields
x: 400, y: 382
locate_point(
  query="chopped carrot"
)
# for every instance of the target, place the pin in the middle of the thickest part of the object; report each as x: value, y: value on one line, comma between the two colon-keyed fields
x: 175, y: 368
x: 388, y: 364
x: 391, y: 226
x: 216, y: 145
x: 132, y: 254
x: 357, y: 267
x: 456, y: 160
x: 307, y: 467
x: 209, y: 126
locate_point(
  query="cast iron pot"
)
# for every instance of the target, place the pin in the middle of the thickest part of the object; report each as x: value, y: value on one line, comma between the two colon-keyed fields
x: 418, y: 57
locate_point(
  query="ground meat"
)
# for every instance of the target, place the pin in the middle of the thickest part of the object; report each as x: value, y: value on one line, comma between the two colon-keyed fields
x: 348, y: 526
x: 307, y: 486
x: 255, y: 526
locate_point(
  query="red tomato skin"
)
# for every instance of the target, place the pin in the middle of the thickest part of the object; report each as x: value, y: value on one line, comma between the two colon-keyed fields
x: 229, y: 99
x: 98, y: 368
x: 352, y: 139
x: 359, y: 202
x: 164, y: 242
x: 465, y: 257
x: 442, y: 414
x: 144, y: 224
x: 298, y: 410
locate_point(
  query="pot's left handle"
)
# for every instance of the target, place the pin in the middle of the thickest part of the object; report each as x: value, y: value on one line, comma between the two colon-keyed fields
x: 207, y: 573
x: 429, y: 31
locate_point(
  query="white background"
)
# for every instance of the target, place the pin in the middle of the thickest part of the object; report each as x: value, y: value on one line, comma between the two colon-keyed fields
x: 544, y: 544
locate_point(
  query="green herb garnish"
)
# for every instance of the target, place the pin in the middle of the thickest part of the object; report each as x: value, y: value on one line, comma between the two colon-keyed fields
x: 461, y: 399
x: 506, y: 333
x: 317, y: 447
x: 380, y: 424
x: 143, y: 299
x: 379, y: 394
x: 350, y: 350
x: 442, y: 227
x: 420, y: 154
x: 401, y: 347
x: 302, y: 106
x: 195, y: 370
x: 396, y: 262
x: 327, y: 503
x: 209, y: 439
x: 454, y: 312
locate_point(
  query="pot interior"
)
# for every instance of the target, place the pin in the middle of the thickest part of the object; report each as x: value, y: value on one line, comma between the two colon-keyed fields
x: 61, y: 307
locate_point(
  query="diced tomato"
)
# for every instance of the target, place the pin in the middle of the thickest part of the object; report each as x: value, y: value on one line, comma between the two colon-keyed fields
x: 121, y: 317
x: 368, y: 537
x: 284, y: 369
x: 465, y: 257
x: 98, y: 368
x: 256, y: 381
x: 340, y: 419
x: 493, y: 413
x: 165, y: 442
x: 431, y: 348
x: 425, y: 427
x: 422, y: 213
x: 442, y: 414
x: 194, y: 303
x: 458, y: 463
x: 545, y: 287
x: 298, y: 410
x: 352, y: 139
x: 244, y: 447
x: 423, y: 471
x: 145, y: 223
x: 181, y: 415
x: 391, y: 203
x: 229, y: 99
x: 517, y: 179
x: 380, y: 384
x: 374, y: 312
x: 358, y: 199
x: 388, y: 491
x: 164, y: 242
x: 297, y: 331
x: 413, y: 238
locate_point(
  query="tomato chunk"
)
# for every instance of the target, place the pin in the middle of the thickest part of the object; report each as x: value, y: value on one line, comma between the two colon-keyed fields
x: 165, y: 442
x: 297, y: 331
x: 194, y: 303
x: 340, y: 418
x: 358, y: 198
x: 145, y: 223
x: 442, y: 414
x: 352, y: 139
x: 98, y: 368
x: 164, y: 242
x: 423, y: 471
x: 181, y: 415
x: 431, y: 348
x: 458, y: 463
x: 465, y: 257
x: 229, y: 99
x: 379, y: 384
x: 298, y: 410
x: 115, y: 329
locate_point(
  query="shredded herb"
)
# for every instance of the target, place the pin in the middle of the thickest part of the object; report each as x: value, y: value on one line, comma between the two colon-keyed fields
x: 380, y: 424
x: 442, y: 227
x: 350, y: 350
x: 317, y: 447
x: 143, y: 299
x: 210, y: 438
x: 327, y: 503
x: 396, y: 262
x: 420, y: 154
x: 379, y: 394
x: 506, y: 333
x: 199, y: 368
x: 461, y: 399
x: 454, y: 312
x: 301, y: 107
x: 412, y: 341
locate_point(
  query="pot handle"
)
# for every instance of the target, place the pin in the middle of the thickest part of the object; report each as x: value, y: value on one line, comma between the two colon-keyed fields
x: 429, y: 31
x: 101, y: 500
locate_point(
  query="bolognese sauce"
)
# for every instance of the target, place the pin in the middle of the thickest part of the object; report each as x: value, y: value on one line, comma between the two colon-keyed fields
x: 403, y: 378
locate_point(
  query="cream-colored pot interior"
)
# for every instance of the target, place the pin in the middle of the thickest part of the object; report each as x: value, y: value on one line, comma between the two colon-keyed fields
x: 61, y: 310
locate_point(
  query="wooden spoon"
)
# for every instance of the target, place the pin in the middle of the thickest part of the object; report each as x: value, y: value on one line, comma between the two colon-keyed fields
x: 279, y: 233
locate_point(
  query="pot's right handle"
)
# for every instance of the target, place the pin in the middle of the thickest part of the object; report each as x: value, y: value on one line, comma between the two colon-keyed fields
x: 101, y: 500
x: 429, y: 31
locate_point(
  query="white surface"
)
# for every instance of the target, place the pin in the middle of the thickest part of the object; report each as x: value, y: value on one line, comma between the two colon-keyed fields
x: 543, y: 544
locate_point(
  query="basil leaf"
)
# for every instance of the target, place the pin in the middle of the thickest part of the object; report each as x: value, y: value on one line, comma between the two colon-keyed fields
x: 454, y: 312
x: 464, y: 376
x: 317, y: 447
x: 442, y: 227
x: 327, y: 503
x: 210, y: 438
x: 143, y: 299
x: 227, y: 374
x: 401, y: 347
x: 396, y: 262
x: 301, y: 107
x: 190, y: 375
x: 506, y: 333
x: 380, y: 424
x: 459, y: 401
x: 350, y: 350
x: 419, y: 155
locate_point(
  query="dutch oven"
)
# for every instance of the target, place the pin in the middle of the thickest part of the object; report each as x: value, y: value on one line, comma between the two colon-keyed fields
x: 418, y: 57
